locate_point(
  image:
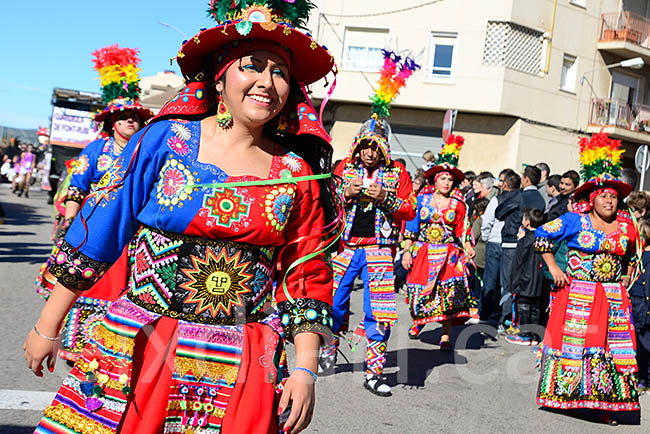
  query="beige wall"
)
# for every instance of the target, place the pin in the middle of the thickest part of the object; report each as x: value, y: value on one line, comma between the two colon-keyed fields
x: 477, y: 87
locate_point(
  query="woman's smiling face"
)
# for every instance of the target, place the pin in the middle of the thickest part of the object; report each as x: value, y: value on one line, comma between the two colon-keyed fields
x: 255, y: 87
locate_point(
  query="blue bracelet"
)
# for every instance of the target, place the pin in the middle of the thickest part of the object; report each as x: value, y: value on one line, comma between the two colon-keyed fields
x: 314, y: 376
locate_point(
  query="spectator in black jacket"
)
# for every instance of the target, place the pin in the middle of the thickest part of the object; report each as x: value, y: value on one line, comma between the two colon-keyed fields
x: 510, y: 211
x: 526, y: 280
x: 568, y: 184
x: 552, y: 191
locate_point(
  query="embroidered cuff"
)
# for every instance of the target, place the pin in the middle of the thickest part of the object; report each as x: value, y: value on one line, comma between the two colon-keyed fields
x: 543, y: 245
x: 306, y: 315
x: 76, y: 270
x: 75, y: 194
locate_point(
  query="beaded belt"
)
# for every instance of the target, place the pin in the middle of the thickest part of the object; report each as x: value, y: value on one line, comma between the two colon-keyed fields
x: 601, y: 267
x: 199, y: 280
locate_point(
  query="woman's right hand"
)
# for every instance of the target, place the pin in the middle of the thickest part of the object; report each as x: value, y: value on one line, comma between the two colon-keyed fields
x: 38, y: 349
x: 407, y: 259
x: 560, y: 278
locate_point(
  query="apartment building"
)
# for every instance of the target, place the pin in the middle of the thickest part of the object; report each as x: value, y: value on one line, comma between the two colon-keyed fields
x: 527, y: 77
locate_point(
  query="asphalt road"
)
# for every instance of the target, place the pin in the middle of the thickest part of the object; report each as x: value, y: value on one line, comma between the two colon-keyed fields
x: 485, y: 386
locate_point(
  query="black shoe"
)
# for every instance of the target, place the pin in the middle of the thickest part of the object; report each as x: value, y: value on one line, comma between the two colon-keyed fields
x: 20, y: 193
x: 27, y: 194
x: 377, y: 385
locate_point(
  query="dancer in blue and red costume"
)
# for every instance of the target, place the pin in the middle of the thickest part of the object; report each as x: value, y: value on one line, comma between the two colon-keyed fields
x: 122, y: 117
x: 589, y: 349
x: 216, y: 213
x: 379, y: 195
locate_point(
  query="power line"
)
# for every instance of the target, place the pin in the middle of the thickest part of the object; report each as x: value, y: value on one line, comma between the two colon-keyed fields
x: 376, y: 14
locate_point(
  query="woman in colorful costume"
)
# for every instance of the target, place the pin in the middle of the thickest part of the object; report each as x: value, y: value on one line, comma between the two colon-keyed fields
x: 588, y: 354
x: 438, y: 248
x: 214, y: 211
x: 118, y: 122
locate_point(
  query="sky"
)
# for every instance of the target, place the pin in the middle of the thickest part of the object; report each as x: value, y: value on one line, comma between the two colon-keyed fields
x: 47, y: 44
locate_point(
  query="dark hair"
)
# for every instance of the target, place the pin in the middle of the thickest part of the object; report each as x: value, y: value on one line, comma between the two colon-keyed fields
x: 512, y: 180
x: 533, y: 174
x: 554, y: 181
x: 478, y: 207
x: 534, y: 216
x: 470, y: 176
x: 544, y: 168
x: 401, y: 160
x: 573, y: 176
x: 505, y: 172
x: 485, y: 172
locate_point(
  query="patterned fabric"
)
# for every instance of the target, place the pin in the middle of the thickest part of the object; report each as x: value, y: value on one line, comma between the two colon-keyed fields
x: 76, y: 270
x: 437, y: 284
x: 306, y: 315
x: 206, y: 365
x: 588, y: 354
x: 380, y: 279
x: 375, y: 357
x: 188, y: 277
x: 592, y: 383
x: 79, y: 325
x: 199, y: 280
x: 76, y: 194
x: 399, y: 203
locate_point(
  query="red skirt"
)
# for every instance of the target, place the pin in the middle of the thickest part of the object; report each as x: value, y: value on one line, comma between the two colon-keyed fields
x: 438, y: 289
x: 148, y: 374
x: 589, y: 349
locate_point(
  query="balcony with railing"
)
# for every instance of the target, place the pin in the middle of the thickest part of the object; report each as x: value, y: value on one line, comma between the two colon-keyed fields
x: 620, y: 119
x: 625, y: 33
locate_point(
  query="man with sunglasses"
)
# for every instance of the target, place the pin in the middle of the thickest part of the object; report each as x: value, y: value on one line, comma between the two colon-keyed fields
x: 378, y: 196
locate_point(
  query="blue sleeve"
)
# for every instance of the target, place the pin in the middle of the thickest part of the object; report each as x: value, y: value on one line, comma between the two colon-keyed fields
x: 412, y: 227
x: 564, y: 227
x: 111, y: 218
x: 84, y: 171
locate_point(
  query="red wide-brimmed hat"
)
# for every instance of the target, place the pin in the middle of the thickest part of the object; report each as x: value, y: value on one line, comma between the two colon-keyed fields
x: 124, y: 105
x: 275, y: 21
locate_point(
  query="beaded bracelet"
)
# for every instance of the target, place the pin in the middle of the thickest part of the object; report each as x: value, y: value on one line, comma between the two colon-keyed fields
x: 299, y: 368
x: 43, y: 336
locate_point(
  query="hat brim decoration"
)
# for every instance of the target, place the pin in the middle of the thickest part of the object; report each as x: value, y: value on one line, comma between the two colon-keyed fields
x: 606, y: 180
x: 276, y: 21
x: 455, y: 172
x: 124, y: 105
x: 600, y: 158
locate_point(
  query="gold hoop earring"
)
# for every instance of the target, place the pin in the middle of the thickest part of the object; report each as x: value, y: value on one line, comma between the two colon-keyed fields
x: 224, y: 117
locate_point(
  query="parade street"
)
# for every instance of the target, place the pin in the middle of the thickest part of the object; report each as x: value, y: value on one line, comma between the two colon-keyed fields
x: 484, y: 386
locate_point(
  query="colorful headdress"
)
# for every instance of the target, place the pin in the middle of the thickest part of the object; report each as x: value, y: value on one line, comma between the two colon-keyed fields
x: 275, y: 21
x: 448, y: 159
x: 120, y: 78
x: 393, y: 75
x: 600, y: 158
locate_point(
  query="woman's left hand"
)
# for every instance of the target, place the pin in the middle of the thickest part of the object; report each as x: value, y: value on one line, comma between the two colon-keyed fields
x: 299, y: 392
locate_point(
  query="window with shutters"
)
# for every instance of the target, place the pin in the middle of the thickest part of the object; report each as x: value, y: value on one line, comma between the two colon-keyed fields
x: 362, y: 48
